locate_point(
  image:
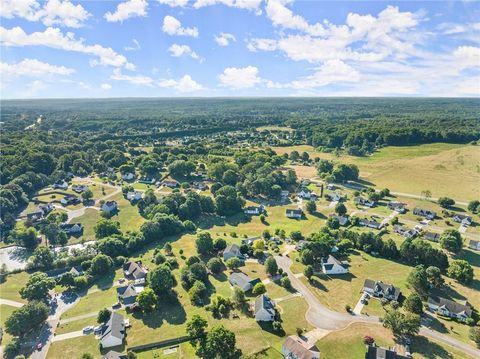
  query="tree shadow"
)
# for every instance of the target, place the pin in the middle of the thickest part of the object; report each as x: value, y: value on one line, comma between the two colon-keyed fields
x: 429, y: 349
x: 314, y: 282
x: 169, y: 310
x: 318, y: 215
x: 268, y: 327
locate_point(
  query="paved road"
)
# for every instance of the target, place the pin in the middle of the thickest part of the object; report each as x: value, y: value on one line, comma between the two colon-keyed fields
x: 11, y: 303
x: 324, y: 318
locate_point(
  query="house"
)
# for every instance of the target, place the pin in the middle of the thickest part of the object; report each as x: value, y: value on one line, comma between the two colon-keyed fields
x: 305, y: 193
x: 370, y: 223
x: 360, y: 201
x: 110, y: 207
x: 72, y: 228
x: 242, y: 281
x: 374, y: 352
x: 249, y: 241
x: 300, y: 244
x: 381, y: 290
x: 449, y: 308
x: 171, y: 184
x: 79, y: 188
x: 430, y: 236
x: 264, y: 309
x: 114, y: 355
x: 335, y: 197
x: 202, y: 186
x: 397, y: 206
x: 403, y: 231
x: 254, y: 210
x: 424, y: 213
x: 129, y: 176
x: 35, y: 216
x: 463, y: 219
x: 284, y: 194
x: 113, y: 331
x: 295, y: 348
x: 330, y: 186
x: 58, y: 273
x: 127, y: 295
x: 69, y: 200
x: 135, y: 270
x: 146, y: 180
x: 232, y: 250
x: 60, y: 185
x: 134, y: 196
x: 474, y: 245
x: 46, y: 208
x: 294, y: 213
x: 342, y: 220
x: 331, y: 265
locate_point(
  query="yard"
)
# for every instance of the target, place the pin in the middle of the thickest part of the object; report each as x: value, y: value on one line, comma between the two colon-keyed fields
x: 10, y: 287
x: 5, y: 312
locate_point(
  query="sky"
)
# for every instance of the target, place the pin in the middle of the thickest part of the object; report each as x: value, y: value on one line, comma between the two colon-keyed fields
x: 197, y: 48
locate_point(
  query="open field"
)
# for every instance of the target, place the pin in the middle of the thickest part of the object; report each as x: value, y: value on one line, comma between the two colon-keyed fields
x: 5, y: 312
x: 89, y: 220
x: 13, y: 283
x: 74, y: 348
x: 128, y: 216
x: 444, y: 169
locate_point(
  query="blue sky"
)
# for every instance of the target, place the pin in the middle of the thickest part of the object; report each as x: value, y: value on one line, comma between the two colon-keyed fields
x: 60, y: 48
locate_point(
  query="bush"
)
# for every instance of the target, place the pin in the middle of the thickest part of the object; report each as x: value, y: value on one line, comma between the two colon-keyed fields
x: 159, y: 258
x: 258, y: 289
x: 285, y: 282
x: 348, y: 308
x: 277, y: 326
x: 215, y: 265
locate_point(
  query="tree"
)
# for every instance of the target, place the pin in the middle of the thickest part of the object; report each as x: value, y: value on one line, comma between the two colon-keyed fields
x: 474, y: 206
x: 474, y: 334
x: 417, y: 280
x: 87, y: 195
x: 414, y: 304
x: 101, y: 264
x: 219, y: 343
x: 161, y: 280
x: 296, y: 235
x: 451, y: 240
x: 427, y: 194
x: 42, y: 258
x: 87, y: 356
x: 233, y: 263
x: 308, y: 272
x: 26, y: 238
x: 434, y: 276
x: 446, y: 202
x: 460, y: 270
x: 196, y: 329
x: 340, y: 209
x: 204, y: 243
x: 311, y: 207
x: 258, y: 289
x: 147, y: 299
x: 238, y: 295
x: 23, y: 320
x: 220, y: 244
x: 106, y: 228
x: 401, y: 324
x: 103, y: 315
x: 37, y: 287
x: 333, y: 223
x: 271, y: 266
x: 285, y: 282
x: 215, y: 265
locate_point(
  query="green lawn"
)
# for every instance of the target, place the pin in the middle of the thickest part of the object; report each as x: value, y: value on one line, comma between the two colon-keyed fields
x: 89, y: 220
x: 184, y: 351
x: 74, y: 348
x: 92, y: 302
x: 128, y: 216
x: 5, y: 312
x: 10, y: 287
x: 76, y: 325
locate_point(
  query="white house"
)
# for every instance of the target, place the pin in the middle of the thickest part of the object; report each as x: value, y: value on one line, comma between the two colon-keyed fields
x: 465, y: 220
x: 381, y: 290
x: 294, y: 213
x: 332, y: 265
x: 424, y: 213
x: 254, y: 210
x: 110, y: 207
x: 113, y: 331
x: 342, y: 220
x: 72, y: 228
x: 134, y: 196
x: 449, y: 308
x: 264, y: 309
x: 232, y: 250
x: 305, y: 193
x: 397, y: 206
x: 129, y: 176
x: 60, y: 185
x: 364, y: 202
x: 474, y: 245
x: 296, y: 348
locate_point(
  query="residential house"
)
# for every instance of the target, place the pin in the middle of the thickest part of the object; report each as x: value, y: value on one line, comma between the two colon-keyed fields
x: 294, y: 213
x: 242, y: 281
x: 370, y: 223
x: 232, y: 250
x: 79, y: 188
x: 381, y: 290
x: 331, y: 265
x: 113, y: 331
x: 430, y: 236
x: 72, y: 228
x: 60, y: 185
x: 249, y: 241
x: 202, y: 186
x: 129, y: 176
x: 46, y: 208
x: 463, y: 219
x: 35, y: 216
x: 69, y: 200
x: 254, y: 210
x: 171, y: 184
x: 146, y: 180
x: 135, y: 270
x: 306, y: 193
x: 330, y: 186
x: 295, y: 348
x: 360, y: 201
x: 474, y: 245
x: 127, y: 295
x: 424, y: 213
x: 335, y: 197
x: 397, y: 206
x: 110, y: 207
x: 403, y: 231
x: 57, y: 273
x: 342, y: 220
x: 284, y: 194
x: 264, y: 309
x: 114, y: 355
x: 449, y: 308
x: 300, y: 244
x: 134, y: 196
x: 374, y: 352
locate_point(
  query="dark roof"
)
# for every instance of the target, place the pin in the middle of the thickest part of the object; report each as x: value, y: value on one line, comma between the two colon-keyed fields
x: 135, y: 269
x: 295, y: 211
x: 234, y: 248
x: 242, y: 280
x: 374, y: 352
x: 300, y: 348
x: 127, y: 291
x: 114, y: 326
x: 114, y: 355
x: 431, y: 236
x: 263, y: 302
x: 453, y: 307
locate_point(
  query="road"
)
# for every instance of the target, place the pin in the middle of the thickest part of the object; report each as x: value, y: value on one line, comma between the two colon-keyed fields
x: 323, y: 318
x: 11, y: 303
x: 65, y: 336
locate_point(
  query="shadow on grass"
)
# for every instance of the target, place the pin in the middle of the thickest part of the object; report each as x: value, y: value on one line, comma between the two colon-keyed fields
x: 170, y: 310
x: 319, y: 215
x: 314, y: 282
x: 429, y: 349
x: 268, y: 327
x: 207, y: 222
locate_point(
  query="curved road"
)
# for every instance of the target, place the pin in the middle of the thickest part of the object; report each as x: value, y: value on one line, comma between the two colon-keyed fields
x: 324, y: 318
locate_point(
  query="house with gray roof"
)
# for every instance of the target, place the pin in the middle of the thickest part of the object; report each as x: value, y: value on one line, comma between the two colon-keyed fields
x: 397, y: 206
x: 430, y: 236
x: 375, y: 352
x: 381, y: 290
x: 331, y: 265
x: 264, y: 309
x: 474, y: 245
x: 424, y: 213
x: 113, y: 331
x: 463, y: 219
x: 296, y: 348
x: 232, y: 250
x: 449, y: 308
x: 135, y: 270
x: 242, y: 281
x: 360, y: 201
x: 294, y: 213
x: 342, y: 220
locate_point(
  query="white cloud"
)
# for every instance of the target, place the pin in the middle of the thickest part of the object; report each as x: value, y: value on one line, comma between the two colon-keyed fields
x: 223, y: 39
x: 33, y: 68
x: 262, y: 44
x: 172, y: 26
x: 33, y: 88
x: 252, y: 5
x: 174, y: 3
x: 126, y: 10
x: 180, y: 50
x: 467, y: 57
x: 240, y: 78
x: 184, y: 84
x: 53, y: 12
x: 106, y: 87
x: 136, y: 46
x: 135, y: 80
x: 333, y: 71
x: 55, y: 39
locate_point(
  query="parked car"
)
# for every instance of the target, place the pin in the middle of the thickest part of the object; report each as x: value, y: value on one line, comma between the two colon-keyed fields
x: 39, y: 346
x: 88, y: 329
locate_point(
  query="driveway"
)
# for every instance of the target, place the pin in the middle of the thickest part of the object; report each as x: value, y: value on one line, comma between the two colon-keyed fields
x: 11, y: 303
x: 70, y: 335
x: 14, y: 257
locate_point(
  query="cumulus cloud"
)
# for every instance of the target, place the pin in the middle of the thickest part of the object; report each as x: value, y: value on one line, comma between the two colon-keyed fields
x: 172, y: 26
x: 53, y: 12
x: 223, y: 39
x: 180, y: 50
x: 174, y: 3
x: 135, y: 80
x: 106, y: 87
x: 240, y: 78
x: 333, y: 71
x: 55, y: 39
x: 252, y: 5
x: 33, y: 68
x: 126, y: 10
x: 184, y: 84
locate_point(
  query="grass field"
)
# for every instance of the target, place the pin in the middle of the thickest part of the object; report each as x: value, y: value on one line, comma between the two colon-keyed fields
x: 74, y: 348
x: 10, y: 287
x: 128, y: 216
x: 5, y: 312
x: 92, y: 302
x: 444, y: 169
x: 89, y: 220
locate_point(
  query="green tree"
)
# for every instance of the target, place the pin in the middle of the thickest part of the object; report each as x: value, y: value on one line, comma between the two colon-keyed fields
x: 37, y: 287
x: 418, y: 281
x: 414, y: 304
x: 23, y: 320
x: 311, y: 207
x: 215, y: 265
x: 474, y: 206
x: 446, y: 202
x: 451, y: 240
x: 103, y: 315
x: 196, y: 329
x: 340, y: 209
x: 26, y: 238
x: 271, y: 266
x: 204, y: 243
x: 308, y: 272
x: 285, y: 282
x: 106, y: 228
x: 233, y: 263
x: 238, y: 295
x: 219, y: 343
x: 101, y: 264
x: 161, y: 280
x: 258, y: 289
x: 460, y: 270
x: 147, y: 300
x: 474, y: 334
x: 434, y: 276
x: 42, y: 258
x: 87, y: 195
x: 401, y: 324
